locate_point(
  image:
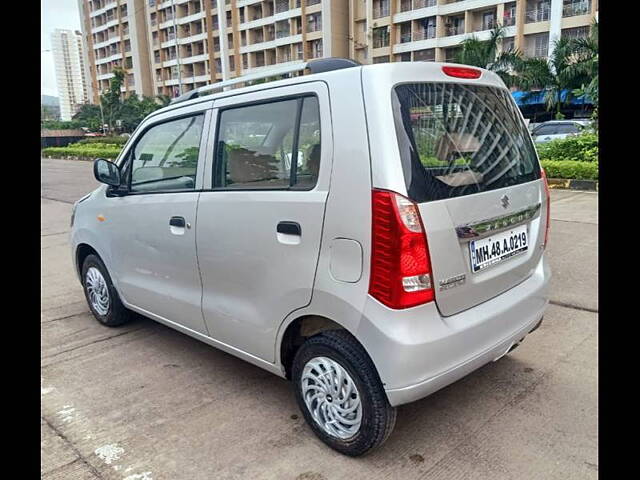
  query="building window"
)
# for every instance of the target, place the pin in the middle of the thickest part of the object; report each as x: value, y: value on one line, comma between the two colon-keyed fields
x: 314, y: 22
x: 454, y: 26
x: 383, y: 59
x: 508, y: 44
x: 380, y: 8
x: 316, y: 48
x: 428, y: 55
x: 509, y: 18
x: 381, y: 37
x: 488, y: 20
x: 405, y: 32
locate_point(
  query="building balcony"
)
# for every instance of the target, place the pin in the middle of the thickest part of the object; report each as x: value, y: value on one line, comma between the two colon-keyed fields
x: 509, y: 21
x: 537, y: 15
x: 577, y: 8
x: 405, y: 37
x: 451, y: 31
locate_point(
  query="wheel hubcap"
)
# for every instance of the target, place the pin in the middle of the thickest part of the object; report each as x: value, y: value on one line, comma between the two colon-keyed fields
x: 97, y: 291
x: 331, y: 397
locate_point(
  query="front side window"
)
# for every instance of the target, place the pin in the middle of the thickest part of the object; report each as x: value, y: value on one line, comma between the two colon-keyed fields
x: 258, y: 144
x: 165, y: 158
x: 458, y: 139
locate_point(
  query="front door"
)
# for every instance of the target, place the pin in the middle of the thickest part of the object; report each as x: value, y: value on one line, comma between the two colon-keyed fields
x: 259, y: 226
x: 153, y: 234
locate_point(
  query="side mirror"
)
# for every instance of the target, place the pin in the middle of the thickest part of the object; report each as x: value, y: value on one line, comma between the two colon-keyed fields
x: 106, y: 172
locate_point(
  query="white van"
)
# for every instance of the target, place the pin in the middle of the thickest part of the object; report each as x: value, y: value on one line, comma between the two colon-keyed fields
x: 372, y: 233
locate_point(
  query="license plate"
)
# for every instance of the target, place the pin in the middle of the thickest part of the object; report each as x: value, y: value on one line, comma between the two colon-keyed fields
x: 497, y: 248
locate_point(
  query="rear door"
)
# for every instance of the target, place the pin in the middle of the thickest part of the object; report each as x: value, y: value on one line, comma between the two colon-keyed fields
x: 260, y: 217
x: 472, y: 168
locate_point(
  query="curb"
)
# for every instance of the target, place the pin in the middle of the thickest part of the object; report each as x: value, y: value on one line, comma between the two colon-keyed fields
x: 70, y: 157
x: 570, y: 184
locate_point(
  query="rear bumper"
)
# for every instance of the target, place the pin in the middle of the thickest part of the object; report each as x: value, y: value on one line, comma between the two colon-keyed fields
x: 417, y: 351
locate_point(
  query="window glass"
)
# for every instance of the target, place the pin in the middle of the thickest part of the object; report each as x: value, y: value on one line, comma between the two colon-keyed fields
x: 256, y: 145
x: 459, y: 139
x: 309, y: 144
x: 166, y: 157
x: 557, y: 129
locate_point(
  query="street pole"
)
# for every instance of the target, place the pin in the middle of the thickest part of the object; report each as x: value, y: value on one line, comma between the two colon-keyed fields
x: 175, y: 32
x: 101, y: 112
x: 224, y: 39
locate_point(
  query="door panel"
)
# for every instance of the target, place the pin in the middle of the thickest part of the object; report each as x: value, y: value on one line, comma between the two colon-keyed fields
x: 259, y: 240
x: 156, y: 262
x: 253, y: 276
x: 152, y: 228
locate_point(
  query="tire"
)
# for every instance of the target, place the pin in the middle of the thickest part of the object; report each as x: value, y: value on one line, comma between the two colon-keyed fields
x: 111, y: 313
x: 376, y: 416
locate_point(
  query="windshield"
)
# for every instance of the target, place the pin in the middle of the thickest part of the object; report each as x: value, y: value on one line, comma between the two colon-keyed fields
x: 458, y: 139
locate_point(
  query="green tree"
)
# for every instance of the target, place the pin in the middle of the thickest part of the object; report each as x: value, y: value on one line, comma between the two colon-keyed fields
x: 112, y: 99
x: 89, y: 116
x: 484, y: 54
x: 552, y: 76
x: 585, y: 54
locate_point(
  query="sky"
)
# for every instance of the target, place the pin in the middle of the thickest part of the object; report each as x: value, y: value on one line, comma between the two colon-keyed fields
x: 54, y: 14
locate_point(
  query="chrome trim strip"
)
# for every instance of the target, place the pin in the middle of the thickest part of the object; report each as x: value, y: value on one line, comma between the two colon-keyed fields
x: 477, y: 229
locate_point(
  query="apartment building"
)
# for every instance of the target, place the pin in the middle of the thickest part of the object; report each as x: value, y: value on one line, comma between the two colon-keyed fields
x: 115, y: 35
x: 187, y: 37
x: 169, y: 47
x: 66, y: 46
x: 432, y: 30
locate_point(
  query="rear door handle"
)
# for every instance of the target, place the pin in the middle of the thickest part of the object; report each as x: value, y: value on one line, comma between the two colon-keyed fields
x: 289, y: 228
x: 177, y: 222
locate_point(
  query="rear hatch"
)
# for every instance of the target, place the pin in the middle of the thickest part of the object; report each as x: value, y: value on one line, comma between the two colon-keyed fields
x: 470, y: 165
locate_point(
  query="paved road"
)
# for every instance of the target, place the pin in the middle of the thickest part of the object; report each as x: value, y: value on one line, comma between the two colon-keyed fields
x: 144, y: 402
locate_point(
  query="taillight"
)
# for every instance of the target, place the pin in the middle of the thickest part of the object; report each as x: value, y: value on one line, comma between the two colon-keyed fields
x: 462, y: 72
x: 548, y: 195
x: 400, y: 265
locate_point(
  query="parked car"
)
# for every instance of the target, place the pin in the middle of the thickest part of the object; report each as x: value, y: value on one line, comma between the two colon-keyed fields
x: 402, y: 250
x: 557, y: 129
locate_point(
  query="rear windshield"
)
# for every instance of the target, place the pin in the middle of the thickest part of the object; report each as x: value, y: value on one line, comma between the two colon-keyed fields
x: 459, y: 139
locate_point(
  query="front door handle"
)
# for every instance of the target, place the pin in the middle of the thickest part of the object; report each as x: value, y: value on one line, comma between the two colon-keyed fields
x: 177, y: 222
x: 289, y: 228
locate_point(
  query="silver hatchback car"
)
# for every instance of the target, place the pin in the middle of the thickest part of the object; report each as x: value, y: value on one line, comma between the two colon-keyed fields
x: 372, y: 233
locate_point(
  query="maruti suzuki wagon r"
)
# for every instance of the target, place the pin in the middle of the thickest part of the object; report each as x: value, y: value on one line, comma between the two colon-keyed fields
x: 372, y: 233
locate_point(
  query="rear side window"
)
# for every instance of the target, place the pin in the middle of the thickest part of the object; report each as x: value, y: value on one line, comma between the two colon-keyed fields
x: 165, y: 158
x: 459, y: 139
x: 273, y: 145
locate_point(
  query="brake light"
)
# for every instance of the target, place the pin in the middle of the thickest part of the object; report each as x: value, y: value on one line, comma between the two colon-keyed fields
x: 400, y: 264
x: 462, y: 72
x: 548, y: 196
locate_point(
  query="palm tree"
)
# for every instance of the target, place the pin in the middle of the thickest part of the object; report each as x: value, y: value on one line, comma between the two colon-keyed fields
x: 484, y: 54
x: 557, y: 77
x: 586, y: 61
